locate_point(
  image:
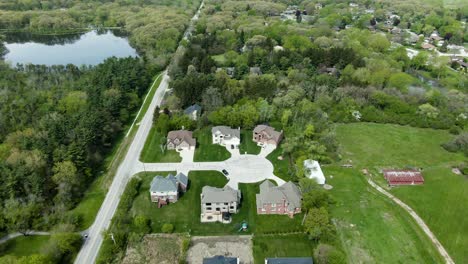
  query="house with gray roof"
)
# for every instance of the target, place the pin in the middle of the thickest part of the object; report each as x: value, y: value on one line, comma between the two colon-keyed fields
x: 193, y: 111
x: 165, y: 190
x: 226, y: 136
x: 180, y: 139
x: 284, y: 199
x: 307, y: 260
x: 217, y: 204
x: 221, y: 260
x: 266, y: 135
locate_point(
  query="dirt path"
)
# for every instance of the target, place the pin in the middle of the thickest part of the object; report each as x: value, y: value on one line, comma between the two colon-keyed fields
x: 418, y: 220
x: 29, y: 233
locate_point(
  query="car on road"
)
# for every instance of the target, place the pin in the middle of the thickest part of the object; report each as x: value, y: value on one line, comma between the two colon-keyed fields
x: 225, y: 172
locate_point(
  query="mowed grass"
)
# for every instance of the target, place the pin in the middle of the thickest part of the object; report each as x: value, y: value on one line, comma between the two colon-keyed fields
x: 281, y: 167
x: 152, y: 151
x: 247, y: 144
x: 371, y: 227
x: 206, y: 150
x: 441, y: 201
x: 25, y: 245
x: 296, y: 245
x: 185, y: 213
x: 90, y: 204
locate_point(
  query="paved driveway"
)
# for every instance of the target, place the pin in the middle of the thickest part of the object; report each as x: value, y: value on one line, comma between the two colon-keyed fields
x: 241, y: 168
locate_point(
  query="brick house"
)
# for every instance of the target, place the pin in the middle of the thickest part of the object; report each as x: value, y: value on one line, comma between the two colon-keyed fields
x: 264, y: 135
x: 284, y: 199
x: 180, y: 139
x: 165, y: 190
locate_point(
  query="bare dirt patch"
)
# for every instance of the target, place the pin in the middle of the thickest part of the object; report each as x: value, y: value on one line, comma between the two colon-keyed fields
x: 232, y: 246
x: 156, y: 249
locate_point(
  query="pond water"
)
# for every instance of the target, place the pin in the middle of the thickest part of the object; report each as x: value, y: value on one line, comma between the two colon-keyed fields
x: 90, y: 48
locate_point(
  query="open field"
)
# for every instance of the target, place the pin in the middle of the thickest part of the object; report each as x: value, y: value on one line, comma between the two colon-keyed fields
x: 24, y: 245
x: 156, y: 249
x: 152, y: 150
x: 205, y: 150
x: 295, y: 245
x: 209, y: 246
x: 185, y: 213
x: 441, y: 201
x: 247, y: 144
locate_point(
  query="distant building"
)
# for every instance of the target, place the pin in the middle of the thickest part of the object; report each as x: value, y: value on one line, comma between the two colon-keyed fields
x: 427, y: 46
x: 403, y: 177
x: 284, y: 199
x: 307, y: 260
x: 217, y: 204
x: 180, y: 139
x: 229, y: 70
x: 266, y: 135
x: 255, y: 71
x: 312, y: 170
x: 165, y: 190
x: 193, y: 111
x: 226, y: 136
x: 221, y: 260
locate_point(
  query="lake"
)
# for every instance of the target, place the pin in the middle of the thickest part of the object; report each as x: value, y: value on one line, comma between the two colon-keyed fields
x: 90, y: 48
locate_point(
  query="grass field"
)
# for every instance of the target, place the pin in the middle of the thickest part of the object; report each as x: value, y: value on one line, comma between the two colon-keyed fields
x: 297, y: 245
x: 152, y: 150
x: 247, y: 144
x: 185, y: 213
x: 205, y: 150
x: 372, y: 228
x: 281, y: 167
x: 441, y: 201
x: 24, y: 245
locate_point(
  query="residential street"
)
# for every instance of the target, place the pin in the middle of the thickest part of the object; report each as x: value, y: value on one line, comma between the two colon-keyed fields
x: 90, y: 249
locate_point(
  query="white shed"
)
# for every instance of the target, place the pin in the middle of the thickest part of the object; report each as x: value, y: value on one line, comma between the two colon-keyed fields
x: 312, y: 170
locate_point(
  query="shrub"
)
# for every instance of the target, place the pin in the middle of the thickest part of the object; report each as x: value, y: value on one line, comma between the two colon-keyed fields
x: 327, y: 254
x: 167, y: 228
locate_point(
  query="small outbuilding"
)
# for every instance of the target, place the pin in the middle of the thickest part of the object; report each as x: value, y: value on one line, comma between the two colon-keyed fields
x: 403, y: 177
x: 312, y: 170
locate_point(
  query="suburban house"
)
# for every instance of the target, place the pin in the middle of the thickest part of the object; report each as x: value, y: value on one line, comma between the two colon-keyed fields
x: 221, y: 260
x: 217, y: 204
x: 265, y: 135
x: 165, y: 190
x: 312, y: 170
x: 403, y: 177
x: 255, y: 71
x: 180, y: 139
x: 307, y: 260
x: 284, y: 199
x: 193, y: 111
x: 226, y: 136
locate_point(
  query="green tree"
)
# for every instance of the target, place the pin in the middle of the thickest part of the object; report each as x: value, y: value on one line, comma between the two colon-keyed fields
x: 167, y: 228
x: 317, y: 223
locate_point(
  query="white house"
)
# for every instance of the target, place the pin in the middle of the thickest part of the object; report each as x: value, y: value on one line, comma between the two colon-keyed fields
x: 217, y: 204
x: 226, y: 136
x: 312, y: 170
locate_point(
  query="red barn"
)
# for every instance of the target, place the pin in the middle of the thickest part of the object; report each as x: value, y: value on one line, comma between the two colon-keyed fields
x: 403, y: 177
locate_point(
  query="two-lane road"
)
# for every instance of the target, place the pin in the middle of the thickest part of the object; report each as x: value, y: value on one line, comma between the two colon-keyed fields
x: 90, y: 249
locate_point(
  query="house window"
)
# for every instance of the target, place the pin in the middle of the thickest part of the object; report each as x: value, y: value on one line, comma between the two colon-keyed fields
x: 208, y: 208
x: 231, y: 207
x: 209, y: 217
x: 208, y: 203
x: 218, y: 209
x: 273, y: 205
x: 225, y: 203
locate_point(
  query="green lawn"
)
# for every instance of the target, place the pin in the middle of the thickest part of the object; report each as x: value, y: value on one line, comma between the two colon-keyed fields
x: 185, y: 213
x: 247, y: 144
x: 152, y: 150
x: 297, y: 245
x: 281, y: 167
x: 442, y: 200
x: 89, y: 206
x: 24, y: 245
x: 372, y: 228
x: 206, y: 150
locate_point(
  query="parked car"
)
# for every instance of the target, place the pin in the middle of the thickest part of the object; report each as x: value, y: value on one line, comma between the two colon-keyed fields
x: 225, y: 172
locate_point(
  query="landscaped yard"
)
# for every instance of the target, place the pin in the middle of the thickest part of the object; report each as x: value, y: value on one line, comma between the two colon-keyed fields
x: 296, y: 245
x: 24, y: 245
x: 152, y: 151
x: 247, y: 144
x: 206, y: 150
x: 185, y: 213
x: 441, y: 201
x: 281, y: 166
